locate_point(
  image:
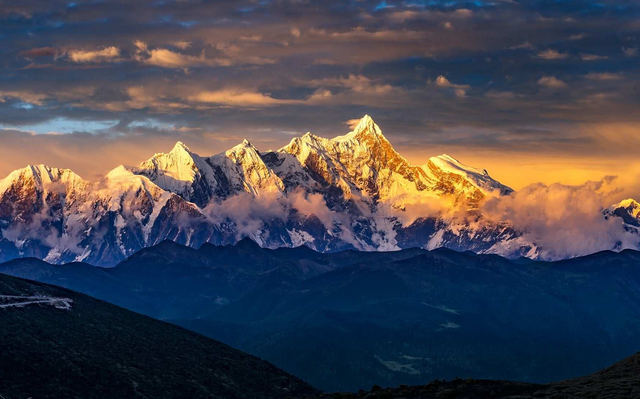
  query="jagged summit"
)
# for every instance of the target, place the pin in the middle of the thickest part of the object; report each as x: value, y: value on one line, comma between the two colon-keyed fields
x: 182, y: 172
x: 366, y: 129
x: 243, y: 146
x: 628, y: 210
x: 179, y: 147
x: 367, y: 126
x: 119, y: 172
x: 244, y: 171
x: 179, y: 164
x: 631, y: 205
x: 41, y: 176
x: 351, y: 192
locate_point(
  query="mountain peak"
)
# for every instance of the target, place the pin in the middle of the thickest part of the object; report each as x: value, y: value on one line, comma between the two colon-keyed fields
x: 180, y: 147
x: 44, y: 170
x: 246, y: 144
x: 120, y: 172
x: 365, y: 130
x: 247, y: 244
x: 628, y: 202
x: 42, y: 175
x: 309, y: 135
x: 632, y: 206
x: 180, y: 164
x: 242, y: 152
x: 367, y: 126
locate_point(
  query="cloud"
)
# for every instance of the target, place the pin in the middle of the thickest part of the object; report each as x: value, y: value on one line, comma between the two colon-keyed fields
x: 402, y: 16
x: 250, y: 214
x: 325, y: 61
x: 459, y: 90
x: 354, y: 88
x: 604, y: 76
x: 314, y: 204
x: 247, y: 213
x: 227, y: 55
x: 24, y: 96
x: 171, y: 59
x: 352, y: 123
x: 320, y: 96
x: 630, y: 51
x: 592, y: 57
x: 364, y: 85
x: 442, y: 81
x: 552, y: 55
x: 500, y: 95
x: 238, y: 98
x: 251, y: 38
x: 183, y: 45
x: 103, y: 55
x: 562, y: 220
x: 552, y: 82
x: 463, y: 13
x: 384, y: 35
x: 39, y: 52
x: 524, y: 45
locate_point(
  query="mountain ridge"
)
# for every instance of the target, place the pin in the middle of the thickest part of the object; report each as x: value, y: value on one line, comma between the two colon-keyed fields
x: 353, y: 191
x: 619, y: 380
x: 386, y: 318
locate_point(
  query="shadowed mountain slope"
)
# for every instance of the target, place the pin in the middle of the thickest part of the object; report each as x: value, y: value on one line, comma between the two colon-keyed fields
x: 620, y: 381
x: 349, y: 320
x: 56, y: 343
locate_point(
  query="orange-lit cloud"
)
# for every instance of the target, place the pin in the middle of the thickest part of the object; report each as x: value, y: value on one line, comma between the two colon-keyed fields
x: 105, y: 54
x: 551, y: 54
x: 551, y: 82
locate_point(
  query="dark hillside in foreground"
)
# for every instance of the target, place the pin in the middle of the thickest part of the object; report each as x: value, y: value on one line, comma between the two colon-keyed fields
x: 55, y: 343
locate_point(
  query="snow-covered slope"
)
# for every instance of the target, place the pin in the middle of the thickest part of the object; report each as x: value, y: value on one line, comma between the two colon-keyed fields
x: 181, y: 172
x: 352, y: 191
x: 478, y: 177
x: 363, y: 164
x: 243, y: 170
x: 628, y: 210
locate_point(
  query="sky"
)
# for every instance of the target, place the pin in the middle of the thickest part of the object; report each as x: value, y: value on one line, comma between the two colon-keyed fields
x: 532, y: 91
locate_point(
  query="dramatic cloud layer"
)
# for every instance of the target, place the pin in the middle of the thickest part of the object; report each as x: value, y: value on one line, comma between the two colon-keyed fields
x: 564, y: 220
x: 531, y: 90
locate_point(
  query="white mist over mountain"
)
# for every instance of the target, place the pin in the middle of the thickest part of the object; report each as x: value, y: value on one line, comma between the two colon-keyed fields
x: 565, y: 220
x: 350, y: 192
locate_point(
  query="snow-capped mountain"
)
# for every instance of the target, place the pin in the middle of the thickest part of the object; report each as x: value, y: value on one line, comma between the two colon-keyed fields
x: 629, y: 211
x: 353, y: 191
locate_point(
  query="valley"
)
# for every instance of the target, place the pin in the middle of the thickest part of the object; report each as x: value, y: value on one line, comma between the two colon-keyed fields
x: 380, y: 318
